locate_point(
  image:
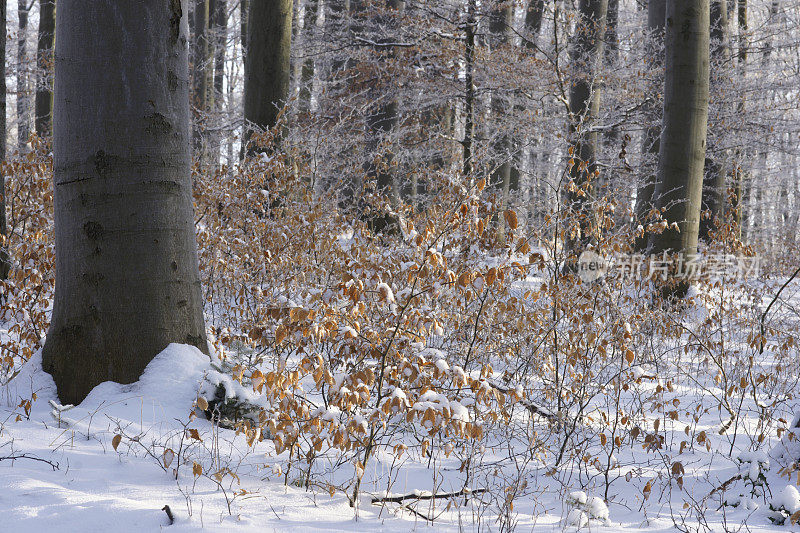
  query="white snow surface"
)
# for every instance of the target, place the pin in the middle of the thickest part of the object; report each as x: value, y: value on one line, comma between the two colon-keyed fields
x: 96, y: 488
x: 789, y: 499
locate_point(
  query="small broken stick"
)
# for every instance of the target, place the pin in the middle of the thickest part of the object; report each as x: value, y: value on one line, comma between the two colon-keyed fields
x: 167, y: 510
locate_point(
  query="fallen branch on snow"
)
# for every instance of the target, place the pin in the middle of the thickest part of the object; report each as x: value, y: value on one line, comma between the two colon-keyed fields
x: 32, y: 458
x: 413, y: 496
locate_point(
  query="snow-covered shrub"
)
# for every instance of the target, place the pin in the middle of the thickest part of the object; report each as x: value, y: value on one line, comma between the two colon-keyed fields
x: 26, y: 295
x: 785, y: 505
x: 343, y: 345
x: 586, y: 510
x: 754, y: 467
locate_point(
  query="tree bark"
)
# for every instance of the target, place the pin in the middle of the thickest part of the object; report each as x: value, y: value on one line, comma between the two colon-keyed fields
x: 267, y: 68
x: 500, y: 25
x: 23, y: 103
x: 200, y: 64
x: 656, y: 18
x: 382, y: 118
x: 244, y: 13
x: 127, y: 279
x: 308, y: 69
x: 714, y: 188
x: 533, y: 22
x: 4, y: 259
x: 469, y: 90
x: 739, y: 175
x: 683, y: 141
x: 44, y: 73
x: 220, y: 35
x: 584, y: 106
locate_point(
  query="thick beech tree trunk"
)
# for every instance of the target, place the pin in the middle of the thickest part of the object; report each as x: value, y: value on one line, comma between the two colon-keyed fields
x: 683, y: 141
x: 44, y: 74
x: 127, y: 279
x: 267, y: 67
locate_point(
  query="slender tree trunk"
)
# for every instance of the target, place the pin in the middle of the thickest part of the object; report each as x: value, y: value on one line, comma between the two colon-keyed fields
x: 610, y: 136
x: 220, y: 44
x: 683, y: 141
x: 656, y: 18
x: 584, y: 105
x: 200, y: 65
x: 500, y: 25
x: 739, y: 175
x: 4, y: 259
x: 533, y: 22
x: 220, y: 36
x: 534, y: 15
x: 44, y: 73
x: 267, y: 69
x: 335, y: 21
x: 127, y: 279
x: 752, y: 194
x: 23, y: 103
x: 383, y: 116
x: 714, y: 188
x: 308, y: 69
x: 469, y: 90
x: 244, y: 14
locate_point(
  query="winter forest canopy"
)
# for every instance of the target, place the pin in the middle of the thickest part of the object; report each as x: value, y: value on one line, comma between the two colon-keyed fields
x: 487, y: 265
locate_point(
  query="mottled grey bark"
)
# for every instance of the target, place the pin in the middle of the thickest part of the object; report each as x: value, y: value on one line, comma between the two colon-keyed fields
x: 244, y: 13
x: 4, y: 263
x: 584, y: 106
x: 683, y: 141
x: 501, y: 22
x: 201, y: 53
x: 611, y: 135
x: 127, y: 279
x: 534, y: 15
x: 739, y: 174
x: 533, y: 22
x: 44, y: 61
x: 656, y: 18
x: 752, y: 195
x: 23, y: 98
x: 383, y: 117
x: 714, y: 186
x: 267, y: 68
x: 335, y: 20
x: 307, y: 71
x: 219, y: 23
x: 469, y: 89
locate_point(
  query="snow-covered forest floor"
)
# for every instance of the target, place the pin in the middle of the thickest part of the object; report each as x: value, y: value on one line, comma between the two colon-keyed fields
x: 455, y: 357
x: 114, y: 461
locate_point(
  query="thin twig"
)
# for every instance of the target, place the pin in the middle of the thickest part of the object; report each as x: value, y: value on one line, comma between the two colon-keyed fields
x: 55, y: 466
